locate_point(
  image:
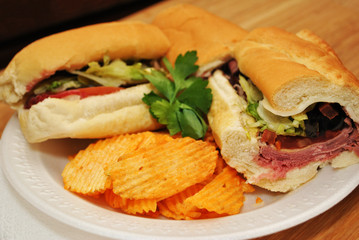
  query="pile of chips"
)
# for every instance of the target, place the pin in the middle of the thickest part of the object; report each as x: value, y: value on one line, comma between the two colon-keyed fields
x: 152, y: 174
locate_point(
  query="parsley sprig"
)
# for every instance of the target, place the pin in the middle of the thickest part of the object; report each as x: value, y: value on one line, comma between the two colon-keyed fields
x: 185, y: 101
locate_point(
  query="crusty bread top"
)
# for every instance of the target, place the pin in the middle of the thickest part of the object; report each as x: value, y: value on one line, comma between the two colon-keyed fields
x: 296, y: 70
x: 73, y: 49
x: 192, y: 28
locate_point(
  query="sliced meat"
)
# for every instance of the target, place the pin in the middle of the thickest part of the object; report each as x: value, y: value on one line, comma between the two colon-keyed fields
x: 281, y: 161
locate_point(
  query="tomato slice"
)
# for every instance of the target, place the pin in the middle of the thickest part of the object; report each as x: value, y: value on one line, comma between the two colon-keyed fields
x: 86, y: 92
x: 81, y: 92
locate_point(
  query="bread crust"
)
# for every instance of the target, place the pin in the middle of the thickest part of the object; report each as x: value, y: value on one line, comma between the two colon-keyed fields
x: 191, y: 28
x: 92, y: 117
x: 73, y: 49
x: 302, y: 69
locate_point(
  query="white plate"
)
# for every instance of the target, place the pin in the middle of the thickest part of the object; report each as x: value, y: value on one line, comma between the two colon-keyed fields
x: 34, y: 170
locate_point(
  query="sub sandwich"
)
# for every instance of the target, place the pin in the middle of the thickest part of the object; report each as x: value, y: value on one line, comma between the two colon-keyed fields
x: 288, y: 109
x: 86, y: 82
x: 283, y: 104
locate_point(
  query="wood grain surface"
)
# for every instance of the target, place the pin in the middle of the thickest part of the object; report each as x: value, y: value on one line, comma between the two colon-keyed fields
x: 336, y: 21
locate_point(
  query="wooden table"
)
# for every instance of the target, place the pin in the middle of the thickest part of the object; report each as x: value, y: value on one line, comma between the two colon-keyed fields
x: 336, y: 21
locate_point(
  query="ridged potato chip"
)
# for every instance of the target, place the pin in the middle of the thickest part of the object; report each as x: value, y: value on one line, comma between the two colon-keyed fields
x: 85, y: 172
x: 166, y: 212
x: 206, y: 214
x: 152, y: 173
x: 223, y: 195
x: 130, y: 206
x: 163, y: 170
x: 173, y: 206
x: 220, y: 165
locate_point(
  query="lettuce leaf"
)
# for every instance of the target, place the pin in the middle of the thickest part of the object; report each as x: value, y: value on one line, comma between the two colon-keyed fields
x: 252, y: 92
x: 293, y: 125
x: 115, y: 73
x: 57, y: 84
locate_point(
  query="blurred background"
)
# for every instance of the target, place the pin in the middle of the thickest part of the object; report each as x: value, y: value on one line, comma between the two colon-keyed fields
x: 23, y: 21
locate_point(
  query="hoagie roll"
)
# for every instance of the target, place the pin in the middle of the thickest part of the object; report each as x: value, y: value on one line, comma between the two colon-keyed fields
x: 86, y: 82
x: 292, y: 109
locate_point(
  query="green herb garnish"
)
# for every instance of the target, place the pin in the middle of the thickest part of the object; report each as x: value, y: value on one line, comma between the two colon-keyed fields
x: 184, y: 102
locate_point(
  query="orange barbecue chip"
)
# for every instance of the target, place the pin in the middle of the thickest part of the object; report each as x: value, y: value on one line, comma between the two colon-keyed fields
x: 130, y: 206
x: 153, y: 173
x: 221, y: 164
x: 163, y: 170
x: 223, y: 195
x: 206, y: 214
x: 173, y: 206
x: 85, y: 172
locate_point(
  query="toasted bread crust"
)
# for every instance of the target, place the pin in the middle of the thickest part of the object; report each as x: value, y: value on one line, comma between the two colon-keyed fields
x: 191, y: 28
x: 294, y: 71
x: 73, y: 49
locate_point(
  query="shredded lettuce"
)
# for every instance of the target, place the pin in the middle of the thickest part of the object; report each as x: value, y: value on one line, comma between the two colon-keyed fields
x: 252, y: 92
x: 57, y: 84
x: 116, y: 73
x: 282, y: 125
x: 252, y: 110
x: 293, y: 125
x: 109, y: 73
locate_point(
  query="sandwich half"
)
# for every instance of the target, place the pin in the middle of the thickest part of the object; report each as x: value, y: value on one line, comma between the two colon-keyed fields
x: 86, y: 82
x: 283, y: 104
x: 288, y: 109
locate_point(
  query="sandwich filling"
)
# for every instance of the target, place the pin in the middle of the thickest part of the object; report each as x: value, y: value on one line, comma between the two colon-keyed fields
x: 98, y: 78
x: 320, y: 133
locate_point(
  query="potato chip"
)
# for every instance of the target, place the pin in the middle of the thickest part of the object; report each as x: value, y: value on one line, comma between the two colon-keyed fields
x: 223, y: 195
x: 173, y: 206
x: 129, y: 206
x: 206, y: 214
x: 166, y: 212
x: 221, y: 164
x: 153, y: 173
x: 163, y: 170
x: 85, y: 172
x: 151, y: 214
